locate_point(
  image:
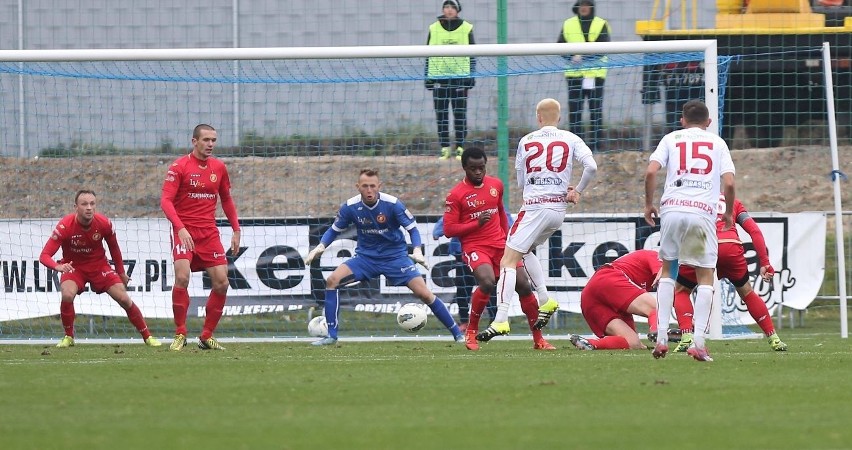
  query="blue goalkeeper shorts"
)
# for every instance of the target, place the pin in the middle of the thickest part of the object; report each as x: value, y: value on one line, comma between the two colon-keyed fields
x: 398, y: 271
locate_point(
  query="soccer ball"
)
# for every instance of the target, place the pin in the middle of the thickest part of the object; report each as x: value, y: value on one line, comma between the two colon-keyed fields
x: 411, y: 317
x: 318, y: 327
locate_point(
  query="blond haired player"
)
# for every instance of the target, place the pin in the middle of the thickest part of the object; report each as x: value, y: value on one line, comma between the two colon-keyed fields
x: 543, y: 164
x: 696, y: 160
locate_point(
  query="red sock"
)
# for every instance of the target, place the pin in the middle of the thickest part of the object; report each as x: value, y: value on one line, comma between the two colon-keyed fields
x: 652, y: 321
x: 66, y: 313
x: 757, y: 309
x: 610, y: 343
x: 529, y: 305
x: 180, y: 306
x: 478, y: 302
x: 215, y: 304
x: 683, y: 310
x: 135, y: 316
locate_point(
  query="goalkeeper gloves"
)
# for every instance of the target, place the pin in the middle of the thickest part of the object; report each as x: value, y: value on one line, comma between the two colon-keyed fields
x: 314, y: 253
x: 417, y: 256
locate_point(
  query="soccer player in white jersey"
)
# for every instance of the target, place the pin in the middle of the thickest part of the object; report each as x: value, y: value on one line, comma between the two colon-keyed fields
x: 543, y: 164
x: 696, y: 160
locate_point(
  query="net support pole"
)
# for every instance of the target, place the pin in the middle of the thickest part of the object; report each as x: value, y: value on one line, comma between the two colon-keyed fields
x: 503, y: 103
x: 836, y: 176
x: 711, y: 99
x: 235, y: 29
x: 22, y: 124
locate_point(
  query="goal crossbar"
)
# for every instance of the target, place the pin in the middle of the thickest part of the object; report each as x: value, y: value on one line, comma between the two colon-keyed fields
x: 403, y: 51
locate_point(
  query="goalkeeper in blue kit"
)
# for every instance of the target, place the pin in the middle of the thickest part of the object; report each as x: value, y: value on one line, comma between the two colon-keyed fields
x: 381, y: 250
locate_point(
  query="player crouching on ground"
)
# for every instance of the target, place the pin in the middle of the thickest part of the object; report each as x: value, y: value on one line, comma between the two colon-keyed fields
x: 81, y: 236
x: 616, y: 292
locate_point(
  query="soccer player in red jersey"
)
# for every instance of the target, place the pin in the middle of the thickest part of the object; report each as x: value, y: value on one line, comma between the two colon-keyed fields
x: 81, y: 236
x: 616, y: 292
x: 732, y: 265
x: 192, y: 187
x: 474, y: 213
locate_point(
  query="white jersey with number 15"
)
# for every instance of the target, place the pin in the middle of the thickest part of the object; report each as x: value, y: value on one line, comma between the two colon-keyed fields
x: 695, y: 160
x: 544, y: 163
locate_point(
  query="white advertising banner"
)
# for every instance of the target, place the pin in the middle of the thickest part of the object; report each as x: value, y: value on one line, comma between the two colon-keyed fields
x: 269, y: 275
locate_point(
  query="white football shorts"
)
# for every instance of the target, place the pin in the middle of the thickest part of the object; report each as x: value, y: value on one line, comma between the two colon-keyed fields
x: 689, y: 238
x: 533, y: 227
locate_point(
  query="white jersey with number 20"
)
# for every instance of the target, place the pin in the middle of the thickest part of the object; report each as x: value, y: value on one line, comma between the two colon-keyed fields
x: 695, y: 160
x: 544, y: 164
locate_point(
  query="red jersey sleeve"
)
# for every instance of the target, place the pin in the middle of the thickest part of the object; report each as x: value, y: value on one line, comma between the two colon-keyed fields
x: 743, y: 218
x: 50, y: 249
x: 453, y: 226
x: 170, y: 189
x: 114, y: 248
x: 228, y: 205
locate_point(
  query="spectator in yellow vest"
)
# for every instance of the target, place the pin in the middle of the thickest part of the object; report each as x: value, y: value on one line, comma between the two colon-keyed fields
x: 586, y: 73
x: 449, y: 78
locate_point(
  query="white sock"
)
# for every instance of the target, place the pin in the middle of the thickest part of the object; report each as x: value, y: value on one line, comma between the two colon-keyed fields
x: 505, y: 290
x: 665, y: 304
x: 703, y: 307
x: 536, y: 273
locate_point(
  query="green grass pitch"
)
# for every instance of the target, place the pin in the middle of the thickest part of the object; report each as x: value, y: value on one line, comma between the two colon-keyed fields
x: 428, y: 395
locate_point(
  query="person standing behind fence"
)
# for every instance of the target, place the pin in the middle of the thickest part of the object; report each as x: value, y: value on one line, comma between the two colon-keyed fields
x: 449, y: 77
x: 586, y: 73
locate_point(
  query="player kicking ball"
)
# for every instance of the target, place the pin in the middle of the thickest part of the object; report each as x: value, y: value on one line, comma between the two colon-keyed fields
x: 544, y: 161
x: 475, y: 215
x: 381, y: 250
x: 81, y: 236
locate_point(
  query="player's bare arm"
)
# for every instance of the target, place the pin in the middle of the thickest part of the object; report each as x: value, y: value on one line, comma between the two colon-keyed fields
x: 650, y: 187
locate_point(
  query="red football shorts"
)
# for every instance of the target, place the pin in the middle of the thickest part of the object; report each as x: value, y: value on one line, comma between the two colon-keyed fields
x: 476, y: 256
x: 100, y: 277
x: 731, y: 264
x: 606, y: 297
x: 209, y: 251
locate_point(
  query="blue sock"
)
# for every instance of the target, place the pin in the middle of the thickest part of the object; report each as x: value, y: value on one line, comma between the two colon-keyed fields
x: 443, y: 314
x: 331, y: 312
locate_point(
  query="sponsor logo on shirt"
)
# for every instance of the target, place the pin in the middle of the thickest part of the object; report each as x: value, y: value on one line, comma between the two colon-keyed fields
x: 201, y: 196
x: 539, y: 181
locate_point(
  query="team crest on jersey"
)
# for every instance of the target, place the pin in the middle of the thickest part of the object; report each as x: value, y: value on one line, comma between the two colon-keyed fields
x: 96, y: 236
x: 493, y: 192
x: 213, y: 178
x: 381, y: 218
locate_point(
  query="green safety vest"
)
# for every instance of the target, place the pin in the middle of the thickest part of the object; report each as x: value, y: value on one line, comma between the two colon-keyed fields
x: 449, y: 66
x: 572, y: 32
